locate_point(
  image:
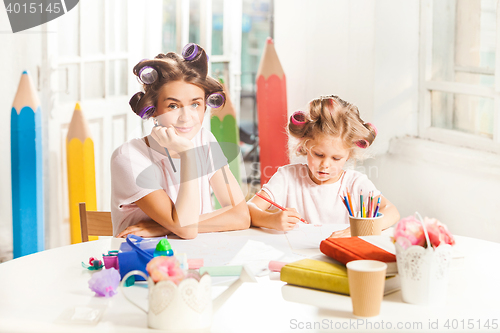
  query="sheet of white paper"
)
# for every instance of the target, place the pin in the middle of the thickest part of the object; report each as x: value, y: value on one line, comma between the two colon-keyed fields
x: 256, y: 255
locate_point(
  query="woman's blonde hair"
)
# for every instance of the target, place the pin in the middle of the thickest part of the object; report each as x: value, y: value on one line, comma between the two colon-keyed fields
x: 332, y: 116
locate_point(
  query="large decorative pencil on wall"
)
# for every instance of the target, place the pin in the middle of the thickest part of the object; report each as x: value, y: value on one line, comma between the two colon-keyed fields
x: 81, y: 171
x: 272, y: 113
x: 27, y: 170
x: 226, y: 131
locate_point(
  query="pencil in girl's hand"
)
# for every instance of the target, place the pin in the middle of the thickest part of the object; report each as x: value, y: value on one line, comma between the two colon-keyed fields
x: 276, y: 205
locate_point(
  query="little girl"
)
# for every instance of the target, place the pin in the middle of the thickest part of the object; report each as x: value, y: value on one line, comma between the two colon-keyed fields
x: 161, y: 183
x: 329, y: 134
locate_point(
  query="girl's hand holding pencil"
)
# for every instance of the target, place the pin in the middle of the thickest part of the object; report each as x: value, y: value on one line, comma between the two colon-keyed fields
x: 284, y: 220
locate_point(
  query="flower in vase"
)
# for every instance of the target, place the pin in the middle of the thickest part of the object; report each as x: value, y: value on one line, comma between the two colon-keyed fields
x: 165, y: 268
x: 409, y: 232
x: 438, y: 233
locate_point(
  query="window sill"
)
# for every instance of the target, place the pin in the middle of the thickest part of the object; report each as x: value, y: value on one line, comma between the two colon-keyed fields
x: 470, y: 160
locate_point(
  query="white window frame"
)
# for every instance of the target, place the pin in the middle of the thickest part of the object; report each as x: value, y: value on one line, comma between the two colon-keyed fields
x: 426, y: 85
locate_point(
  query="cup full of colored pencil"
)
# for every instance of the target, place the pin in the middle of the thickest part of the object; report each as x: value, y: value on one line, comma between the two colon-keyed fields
x: 364, y: 215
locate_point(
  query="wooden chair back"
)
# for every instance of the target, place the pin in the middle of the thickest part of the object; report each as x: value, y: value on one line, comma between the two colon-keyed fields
x: 94, y: 223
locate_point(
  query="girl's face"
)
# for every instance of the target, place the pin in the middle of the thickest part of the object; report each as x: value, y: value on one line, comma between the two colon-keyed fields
x: 182, y: 105
x: 326, y: 157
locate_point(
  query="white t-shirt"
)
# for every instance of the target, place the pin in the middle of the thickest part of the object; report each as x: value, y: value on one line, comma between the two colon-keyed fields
x: 137, y: 170
x: 291, y: 187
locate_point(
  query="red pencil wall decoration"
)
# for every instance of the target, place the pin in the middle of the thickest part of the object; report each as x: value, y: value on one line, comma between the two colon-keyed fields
x: 272, y: 113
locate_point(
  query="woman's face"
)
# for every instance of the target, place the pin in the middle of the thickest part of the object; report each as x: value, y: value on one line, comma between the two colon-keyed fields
x: 326, y: 157
x: 181, y: 105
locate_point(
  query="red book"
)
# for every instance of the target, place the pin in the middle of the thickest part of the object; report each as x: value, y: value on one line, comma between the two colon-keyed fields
x: 347, y: 249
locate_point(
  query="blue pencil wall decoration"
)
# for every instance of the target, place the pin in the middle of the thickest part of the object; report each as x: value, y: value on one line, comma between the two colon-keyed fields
x: 26, y: 168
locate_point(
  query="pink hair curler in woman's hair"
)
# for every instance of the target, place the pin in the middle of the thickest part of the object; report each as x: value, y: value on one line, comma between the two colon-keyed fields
x: 148, y: 75
x: 298, y: 118
x: 215, y: 100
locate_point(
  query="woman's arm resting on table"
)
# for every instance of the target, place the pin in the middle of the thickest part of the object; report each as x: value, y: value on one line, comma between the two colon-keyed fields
x: 228, y: 217
x: 278, y: 220
x: 391, y: 216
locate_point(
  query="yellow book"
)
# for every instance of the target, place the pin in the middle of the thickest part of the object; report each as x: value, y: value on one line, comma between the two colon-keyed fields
x: 327, y: 276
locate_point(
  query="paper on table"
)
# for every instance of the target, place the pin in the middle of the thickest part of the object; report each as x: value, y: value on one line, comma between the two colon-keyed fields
x: 305, y: 238
x: 256, y: 255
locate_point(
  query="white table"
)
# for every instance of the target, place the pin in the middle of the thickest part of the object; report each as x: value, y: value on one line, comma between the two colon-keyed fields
x: 35, y: 290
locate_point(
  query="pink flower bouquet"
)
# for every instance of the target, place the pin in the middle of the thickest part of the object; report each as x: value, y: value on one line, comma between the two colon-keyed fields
x: 165, y: 268
x: 409, y: 231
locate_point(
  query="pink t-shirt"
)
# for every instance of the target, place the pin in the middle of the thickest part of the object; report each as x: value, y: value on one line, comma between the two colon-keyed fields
x: 137, y: 170
x: 291, y: 187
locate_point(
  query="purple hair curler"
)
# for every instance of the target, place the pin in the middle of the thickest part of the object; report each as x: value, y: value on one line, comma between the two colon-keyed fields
x: 190, y: 51
x: 298, y: 118
x: 148, y: 75
x: 362, y: 144
x: 147, y: 112
x: 215, y: 100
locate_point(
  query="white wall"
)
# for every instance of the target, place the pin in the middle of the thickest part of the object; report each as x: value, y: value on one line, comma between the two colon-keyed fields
x: 367, y: 53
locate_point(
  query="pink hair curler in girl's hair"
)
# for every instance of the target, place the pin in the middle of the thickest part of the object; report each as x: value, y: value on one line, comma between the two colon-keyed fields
x: 373, y: 126
x: 215, y: 100
x: 298, y: 118
x: 362, y: 144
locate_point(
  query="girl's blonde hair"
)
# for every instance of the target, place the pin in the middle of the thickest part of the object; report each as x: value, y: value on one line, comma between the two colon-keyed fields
x: 332, y: 116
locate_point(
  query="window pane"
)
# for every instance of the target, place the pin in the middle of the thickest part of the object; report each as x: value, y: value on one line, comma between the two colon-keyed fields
x: 117, y: 77
x: 169, y: 26
x: 217, y: 27
x: 117, y: 25
x: 194, y: 21
x: 68, y: 33
x: 69, y: 83
x: 94, y: 80
x: 219, y: 71
x: 464, y: 33
x: 255, y: 30
x: 93, y: 21
x: 466, y: 113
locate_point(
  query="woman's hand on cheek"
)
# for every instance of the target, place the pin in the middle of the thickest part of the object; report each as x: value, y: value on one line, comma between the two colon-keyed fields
x: 167, y: 137
x: 342, y: 233
x: 144, y: 229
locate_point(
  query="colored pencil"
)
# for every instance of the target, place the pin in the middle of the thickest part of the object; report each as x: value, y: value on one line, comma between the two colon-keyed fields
x: 27, y: 170
x: 350, y: 202
x: 81, y: 171
x: 225, y: 129
x: 346, y: 202
x: 275, y: 204
x: 361, y: 207
x: 377, y: 208
x: 272, y: 113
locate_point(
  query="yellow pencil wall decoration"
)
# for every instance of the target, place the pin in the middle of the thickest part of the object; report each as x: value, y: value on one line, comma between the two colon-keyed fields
x: 81, y: 171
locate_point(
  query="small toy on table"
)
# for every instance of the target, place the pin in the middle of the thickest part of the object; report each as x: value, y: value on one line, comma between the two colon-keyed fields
x: 105, y: 282
x: 94, y: 264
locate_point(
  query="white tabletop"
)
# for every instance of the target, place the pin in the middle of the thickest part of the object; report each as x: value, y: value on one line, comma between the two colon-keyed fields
x: 36, y: 290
